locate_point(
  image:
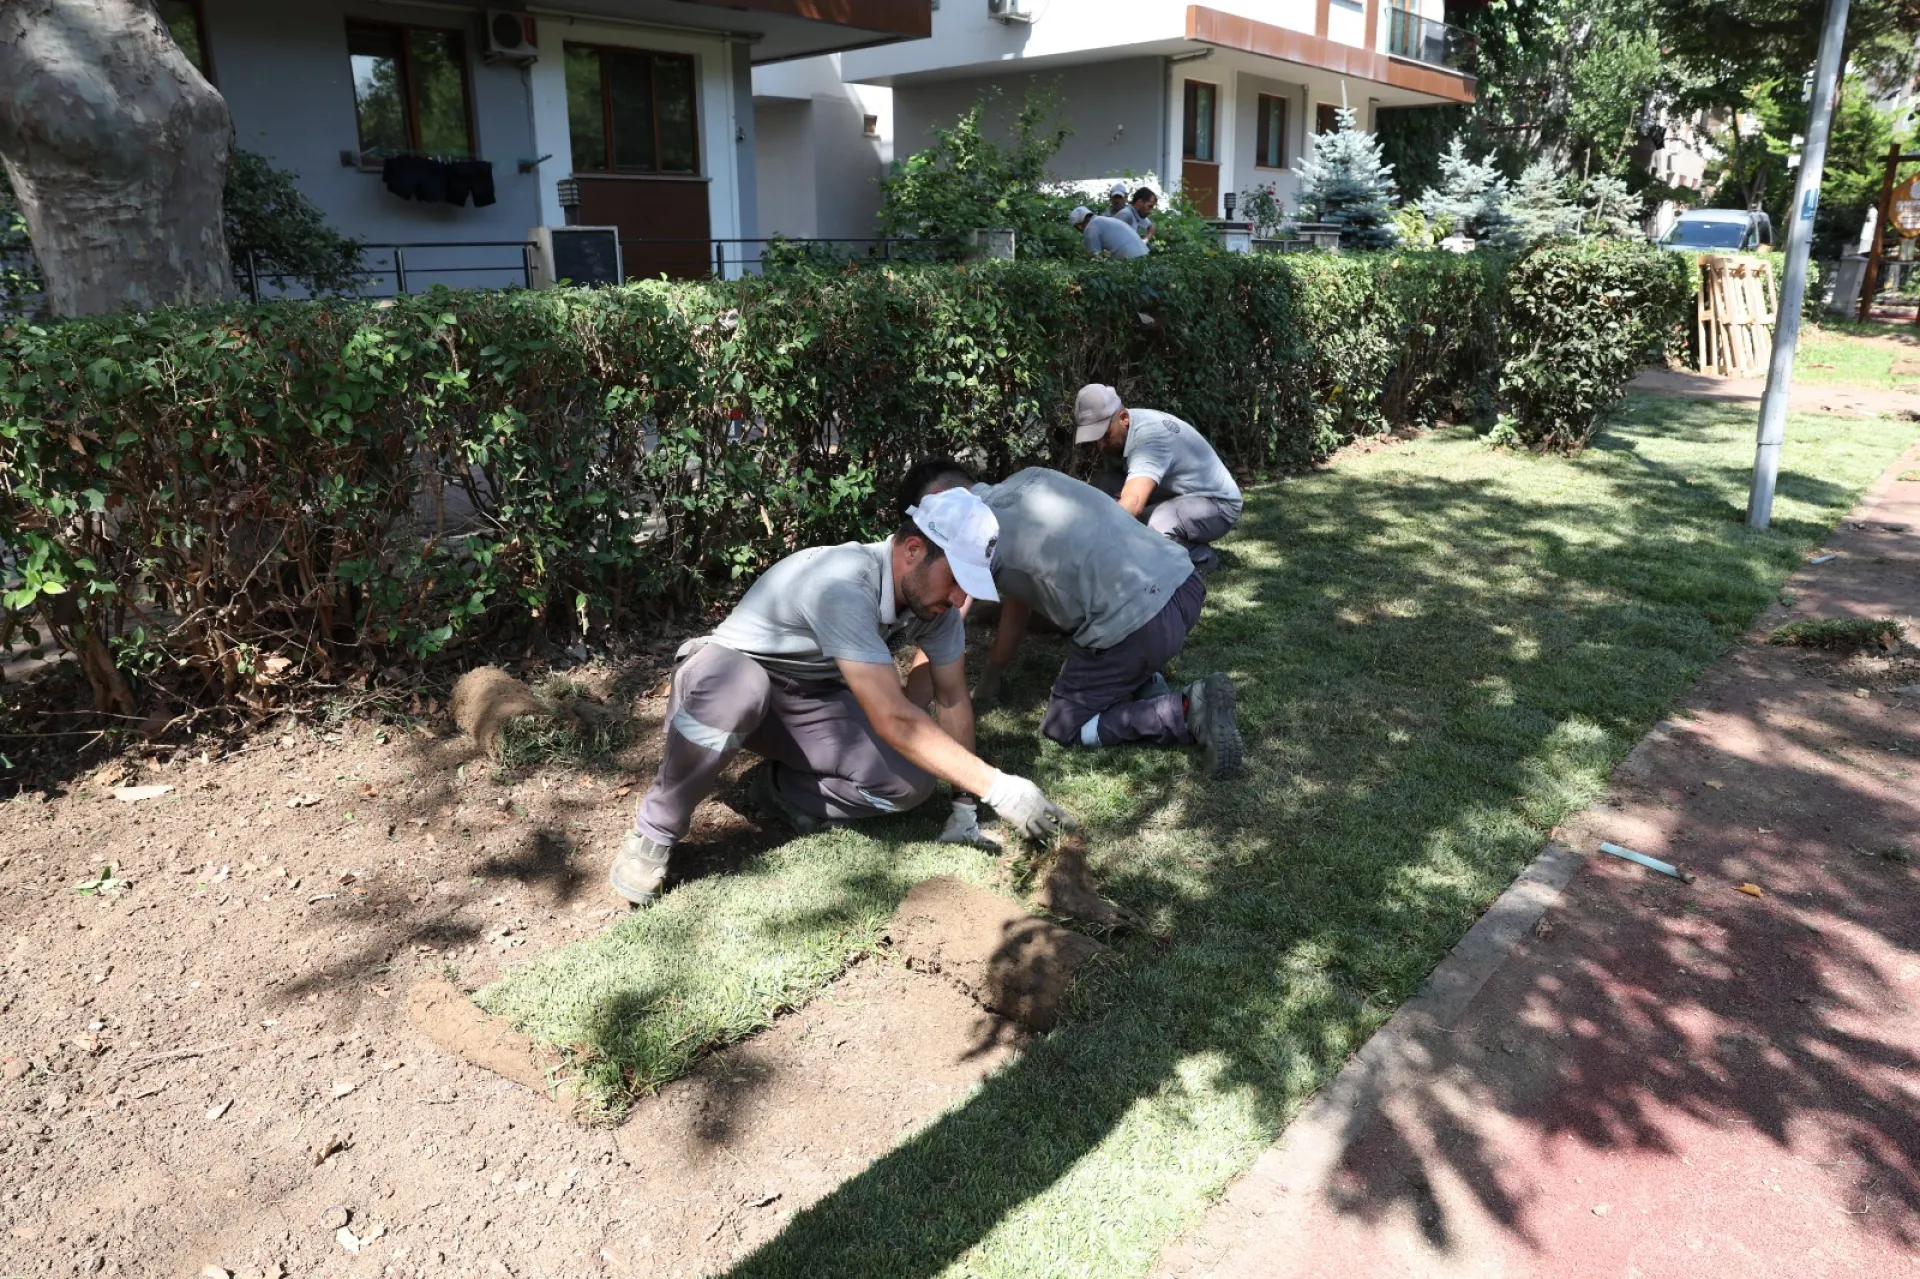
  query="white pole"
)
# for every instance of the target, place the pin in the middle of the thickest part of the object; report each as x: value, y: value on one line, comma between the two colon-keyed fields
x: 1786, y: 327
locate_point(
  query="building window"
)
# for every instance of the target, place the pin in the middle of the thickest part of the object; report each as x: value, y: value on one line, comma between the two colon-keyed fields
x: 410, y: 92
x: 1197, y: 140
x: 870, y: 125
x: 1326, y: 118
x: 1270, y: 147
x: 189, y: 30
x: 631, y: 111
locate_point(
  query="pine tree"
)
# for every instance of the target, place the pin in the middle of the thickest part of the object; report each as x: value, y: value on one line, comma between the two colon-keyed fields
x: 1609, y: 211
x: 1539, y: 204
x: 1470, y: 200
x: 1346, y: 183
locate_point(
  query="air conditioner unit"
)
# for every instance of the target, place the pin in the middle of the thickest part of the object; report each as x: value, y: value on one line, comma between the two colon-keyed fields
x: 511, y: 37
x: 1010, y: 11
x: 580, y: 255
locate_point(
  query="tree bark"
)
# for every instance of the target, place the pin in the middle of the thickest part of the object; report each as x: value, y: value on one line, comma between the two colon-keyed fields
x: 117, y: 149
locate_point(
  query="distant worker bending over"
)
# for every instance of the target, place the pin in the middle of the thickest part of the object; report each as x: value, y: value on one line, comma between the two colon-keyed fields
x: 1138, y: 213
x: 1174, y: 479
x: 1107, y: 235
x: 802, y: 673
x: 1126, y: 597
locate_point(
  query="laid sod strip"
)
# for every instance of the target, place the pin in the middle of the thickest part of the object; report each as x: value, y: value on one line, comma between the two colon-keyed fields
x: 1442, y: 650
x: 715, y: 960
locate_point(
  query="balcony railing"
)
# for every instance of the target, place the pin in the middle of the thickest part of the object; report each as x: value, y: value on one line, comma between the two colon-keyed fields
x: 1435, y: 43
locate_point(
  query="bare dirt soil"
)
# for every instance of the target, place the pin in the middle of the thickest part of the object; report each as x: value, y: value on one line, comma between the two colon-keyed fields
x: 208, y: 1062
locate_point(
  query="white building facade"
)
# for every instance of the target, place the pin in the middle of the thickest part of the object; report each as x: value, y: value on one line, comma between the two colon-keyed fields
x: 1215, y: 98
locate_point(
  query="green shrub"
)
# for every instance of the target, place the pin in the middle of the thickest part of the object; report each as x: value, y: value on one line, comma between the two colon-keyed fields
x: 1580, y: 319
x: 227, y: 501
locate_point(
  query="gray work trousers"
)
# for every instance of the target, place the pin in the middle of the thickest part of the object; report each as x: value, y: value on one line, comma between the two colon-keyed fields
x: 1096, y: 686
x: 827, y: 760
x: 1191, y: 520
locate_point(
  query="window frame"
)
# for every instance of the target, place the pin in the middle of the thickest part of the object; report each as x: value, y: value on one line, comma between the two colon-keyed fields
x: 409, y: 90
x: 1322, y: 112
x: 606, y: 167
x: 199, y: 14
x: 1263, y: 132
x: 1189, y: 135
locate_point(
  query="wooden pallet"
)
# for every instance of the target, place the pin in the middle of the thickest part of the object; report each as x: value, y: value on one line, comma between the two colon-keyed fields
x: 1734, y: 316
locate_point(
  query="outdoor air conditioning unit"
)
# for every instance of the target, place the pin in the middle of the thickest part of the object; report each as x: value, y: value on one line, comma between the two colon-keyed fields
x: 1010, y: 11
x: 580, y: 255
x: 511, y: 37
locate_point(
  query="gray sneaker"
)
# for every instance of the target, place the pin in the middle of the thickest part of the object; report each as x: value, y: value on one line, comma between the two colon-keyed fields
x: 768, y: 799
x: 1210, y: 720
x: 640, y: 868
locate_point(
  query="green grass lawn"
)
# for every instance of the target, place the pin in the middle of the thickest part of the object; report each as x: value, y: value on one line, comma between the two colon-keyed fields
x: 1441, y: 649
x: 1831, y: 354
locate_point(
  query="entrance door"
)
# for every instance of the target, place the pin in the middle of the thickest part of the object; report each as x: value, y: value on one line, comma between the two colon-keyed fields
x: 1199, y: 148
x: 664, y: 227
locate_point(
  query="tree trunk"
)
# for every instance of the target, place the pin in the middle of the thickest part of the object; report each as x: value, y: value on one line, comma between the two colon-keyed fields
x: 117, y: 149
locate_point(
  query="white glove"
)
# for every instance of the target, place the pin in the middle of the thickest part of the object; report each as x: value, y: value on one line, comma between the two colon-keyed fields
x: 963, y: 826
x: 1022, y: 803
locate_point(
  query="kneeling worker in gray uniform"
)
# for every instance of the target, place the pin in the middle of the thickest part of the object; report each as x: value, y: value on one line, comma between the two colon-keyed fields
x: 1165, y: 458
x: 801, y: 672
x: 1126, y: 596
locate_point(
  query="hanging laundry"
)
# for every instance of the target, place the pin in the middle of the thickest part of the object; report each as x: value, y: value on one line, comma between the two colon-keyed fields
x: 470, y: 177
x: 414, y: 177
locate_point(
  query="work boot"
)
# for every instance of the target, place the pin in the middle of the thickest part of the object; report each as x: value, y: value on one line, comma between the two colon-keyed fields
x: 768, y: 799
x: 1204, y: 559
x: 640, y: 868
x: 1210, y: 720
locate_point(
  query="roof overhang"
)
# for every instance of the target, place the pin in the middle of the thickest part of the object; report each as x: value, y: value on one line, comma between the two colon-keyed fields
x: 1219, y: 30
x: 775, y: 30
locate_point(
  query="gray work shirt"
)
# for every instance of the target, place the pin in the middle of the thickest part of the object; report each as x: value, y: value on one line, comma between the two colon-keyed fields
x: 1178, y: 459
x: 831, y: 603
x: 1071, y: 553
x: 1111, y: 235
x: 1131, y: 216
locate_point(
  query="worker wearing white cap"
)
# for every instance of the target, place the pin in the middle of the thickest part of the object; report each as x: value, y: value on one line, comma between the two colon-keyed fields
x: 1174, y: 480
x: 1116, y: 199
x: 802, y: 673
x: 1106, y: 235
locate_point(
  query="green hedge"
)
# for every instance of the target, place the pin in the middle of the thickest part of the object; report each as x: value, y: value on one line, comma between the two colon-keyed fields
x: 252, y: 495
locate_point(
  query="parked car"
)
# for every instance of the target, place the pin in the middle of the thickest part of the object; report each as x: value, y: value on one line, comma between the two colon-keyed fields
x: 1728, y: 230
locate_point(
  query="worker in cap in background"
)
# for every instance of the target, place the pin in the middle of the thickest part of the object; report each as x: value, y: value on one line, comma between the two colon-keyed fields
x: 802, y: 673
x: 1106, y: 235
x: 1174, y: 480
x: 1138, y: 213
x: 1116, y: 200
x: 1126, y: 597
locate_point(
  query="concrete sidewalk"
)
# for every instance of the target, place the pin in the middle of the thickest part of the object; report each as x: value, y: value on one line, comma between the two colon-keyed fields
x: 1617, y: 1073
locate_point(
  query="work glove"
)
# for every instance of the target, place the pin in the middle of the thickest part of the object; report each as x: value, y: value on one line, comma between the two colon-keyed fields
x: 986, y: 689
x: 963, y: 826
x: 1022, y: 804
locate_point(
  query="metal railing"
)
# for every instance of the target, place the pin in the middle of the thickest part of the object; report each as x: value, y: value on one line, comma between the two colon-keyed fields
x: 1435, y: 43
x: 389, y: 261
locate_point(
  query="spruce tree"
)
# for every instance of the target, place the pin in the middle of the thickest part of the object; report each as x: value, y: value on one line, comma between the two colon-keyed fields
x: 1610, y: 211
x: 1539, y: 204
x: 1470, y: 200
x: 1345, y: 182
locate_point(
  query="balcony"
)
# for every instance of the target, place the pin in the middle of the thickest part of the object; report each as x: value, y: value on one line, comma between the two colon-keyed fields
x: 1420, y: 39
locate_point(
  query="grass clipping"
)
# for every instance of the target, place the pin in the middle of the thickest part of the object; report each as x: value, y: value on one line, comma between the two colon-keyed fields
x: 1840, y: 633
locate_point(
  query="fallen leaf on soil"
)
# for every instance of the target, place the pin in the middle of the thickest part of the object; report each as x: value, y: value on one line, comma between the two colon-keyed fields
x: 1751, y: 890
x: 369, y: 790
x: 134, y: 794
x: 303, y: 801
x: 621, y: 792
x: 219, y: 1110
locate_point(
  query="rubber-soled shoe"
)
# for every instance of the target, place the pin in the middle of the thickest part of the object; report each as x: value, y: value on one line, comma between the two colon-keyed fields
x: 640, y: 868
x: 768, y: 799
x: 1210, y: 720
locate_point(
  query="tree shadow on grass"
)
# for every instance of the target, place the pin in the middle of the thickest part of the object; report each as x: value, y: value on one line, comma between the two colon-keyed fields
x: 1433, y: 671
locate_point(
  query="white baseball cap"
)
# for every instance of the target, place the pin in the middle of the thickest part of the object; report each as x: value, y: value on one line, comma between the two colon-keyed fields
x: 965, y: 528
x: 1080, y: 214
x: 1093, y: 408
x: 1118, y: 188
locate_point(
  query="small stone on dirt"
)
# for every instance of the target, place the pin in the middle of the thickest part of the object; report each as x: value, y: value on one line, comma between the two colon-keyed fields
x: 347, y: 1239
x: 336, y: 1217
x: 217, y: 1111
x: 214, y: 1272
x: 1601, y: 1210
x: 342, y: 1088
x: 134, y: 794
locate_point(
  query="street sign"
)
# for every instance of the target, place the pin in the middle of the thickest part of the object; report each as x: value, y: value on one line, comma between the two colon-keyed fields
x: 1906, y: 207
